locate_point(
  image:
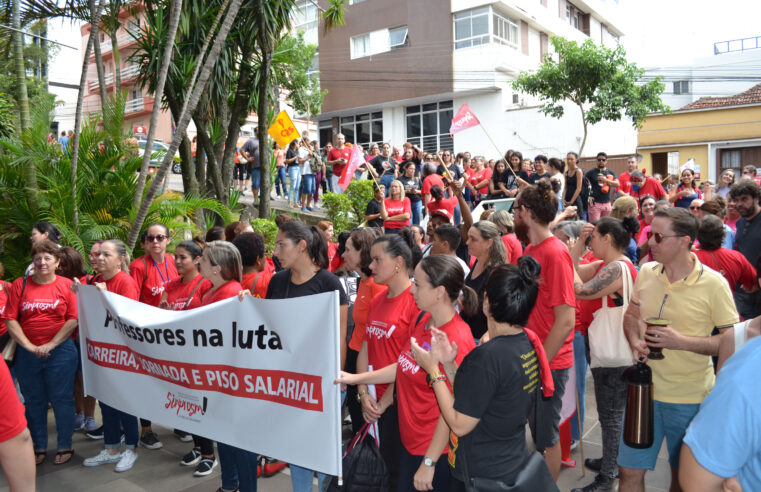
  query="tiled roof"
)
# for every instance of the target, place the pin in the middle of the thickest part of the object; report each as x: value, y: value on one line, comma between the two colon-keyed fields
x: 751, y: 96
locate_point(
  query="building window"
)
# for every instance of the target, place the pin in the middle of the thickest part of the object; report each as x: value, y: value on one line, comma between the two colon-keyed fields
x: 428, y: 126
x: 397, y: 37
x: 473, y: 28
x: 574, y: 16
x: 363, y: 129
x: 731, y: 159
x: 325, y: 131
x: 352, y: 2
x: 305, y: 17
x: 682, y: 87
x: 360, y: 46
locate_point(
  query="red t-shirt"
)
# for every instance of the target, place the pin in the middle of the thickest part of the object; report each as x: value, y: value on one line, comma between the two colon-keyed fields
x: 479, y: 176
x: 229, y: 289
x: 332, y: 250
x: 151, y: 286
x: 430, y: 181
x: 260, y: 289
x: 731, y: 264
x: 335, y: 154
x: 625, y: 183
x: 13, y: 421
x: 366, y: 292
x: 178, y: 292
x: 651, y: 187
x: 555, y: 289
x: 124, y: 285
x: 4, y: 287
x: 387, y: 331
x: 447, y: 204
x: 397, y: 207
x: 43, y: 309
x: 514, y: 247
x: 269, y: 266
x: 418, y: 410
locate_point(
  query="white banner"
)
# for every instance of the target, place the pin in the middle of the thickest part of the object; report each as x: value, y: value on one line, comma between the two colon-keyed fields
x: 256, y: 374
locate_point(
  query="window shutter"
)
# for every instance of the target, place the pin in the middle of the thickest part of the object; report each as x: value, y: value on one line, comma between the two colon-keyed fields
x: 585, y: 24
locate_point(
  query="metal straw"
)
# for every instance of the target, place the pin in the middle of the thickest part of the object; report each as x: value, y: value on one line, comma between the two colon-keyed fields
x: 663, y: 304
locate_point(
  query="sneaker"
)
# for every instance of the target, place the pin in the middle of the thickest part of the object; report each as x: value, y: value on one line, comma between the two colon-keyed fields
x: 601, y: 483
x: 95, y: 433
x: 205, y: 467
x: 91, y: 425
x: 79, y: 422
x: 150, y: 440
x: 182, y: 435
x: 192, y: 458
x: 102, y: 458
x: 574, y: 445
x: 129, y: 457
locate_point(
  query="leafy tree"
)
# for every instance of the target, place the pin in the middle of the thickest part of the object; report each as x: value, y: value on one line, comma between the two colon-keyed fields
x: 7, y: 120
x: 599, y: 80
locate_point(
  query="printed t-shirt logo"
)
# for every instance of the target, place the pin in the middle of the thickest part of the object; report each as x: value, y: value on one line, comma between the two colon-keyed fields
x: 41, y: 305
x: 379, y: 329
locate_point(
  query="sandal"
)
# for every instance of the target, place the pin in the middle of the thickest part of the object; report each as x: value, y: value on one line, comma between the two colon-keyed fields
x: 63, y: 456
x: 39, y: 457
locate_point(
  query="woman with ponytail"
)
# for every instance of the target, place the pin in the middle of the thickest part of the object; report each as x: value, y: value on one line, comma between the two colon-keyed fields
x: 438, y: 284
x: 494, y: 389
x: 303, y: 254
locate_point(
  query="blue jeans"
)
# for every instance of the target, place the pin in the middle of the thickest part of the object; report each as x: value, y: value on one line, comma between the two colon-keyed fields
x: 256, y: 178
x: 386, y: 180
x: 301, y: 479
x: 113, y: 421
x: 238, y: 468
x: 308, y: 187
x: 417, y: 211
x: 293, y: 187
x: 457, y: 215
x: 48, y: 379
x: 280, y: 187
x: 580, y: 364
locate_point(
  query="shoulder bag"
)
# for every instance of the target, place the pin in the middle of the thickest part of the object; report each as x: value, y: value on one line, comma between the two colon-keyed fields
x: 7, y: 341
x: 608, y: 346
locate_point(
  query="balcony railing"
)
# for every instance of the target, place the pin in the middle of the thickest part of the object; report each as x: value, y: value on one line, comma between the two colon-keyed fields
x: 130, y: 71
x: 122, y: 38
x: 108, y: 80
x: 134, y: 105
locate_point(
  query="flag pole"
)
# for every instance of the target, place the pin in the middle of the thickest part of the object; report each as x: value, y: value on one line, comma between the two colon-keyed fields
x: 507, y: 164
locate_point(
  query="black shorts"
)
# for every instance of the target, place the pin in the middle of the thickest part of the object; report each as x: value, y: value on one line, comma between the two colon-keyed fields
x: 240, y: 172
x: 545, y: 416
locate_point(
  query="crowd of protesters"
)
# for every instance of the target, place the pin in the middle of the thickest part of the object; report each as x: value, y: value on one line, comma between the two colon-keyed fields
x: 471, y: 326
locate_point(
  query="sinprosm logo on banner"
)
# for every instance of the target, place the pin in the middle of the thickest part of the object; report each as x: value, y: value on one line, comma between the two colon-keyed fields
x: 187, y: 407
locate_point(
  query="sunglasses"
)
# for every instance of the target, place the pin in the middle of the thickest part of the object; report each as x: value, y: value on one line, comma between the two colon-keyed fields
x: 659, y: 237
x: 601, y: 160
x: 159, y: 238
x: 694, y: 208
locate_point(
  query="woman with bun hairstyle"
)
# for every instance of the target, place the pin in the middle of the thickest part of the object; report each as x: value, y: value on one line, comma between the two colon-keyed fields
x: 303, y: 254
x: 438, y: 284
x: 609, y: 241
x: 494, y: 389
x: 112, y: 266
x: 387, y: 331
x: 485, y: 243
x: 357, y: 259
x: 40, y: 315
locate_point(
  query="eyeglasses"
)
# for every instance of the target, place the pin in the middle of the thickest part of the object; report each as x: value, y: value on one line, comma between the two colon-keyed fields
x: 159, y: 238
x: 659, y: 237
x: 600, y: 159
x: 696, y: 207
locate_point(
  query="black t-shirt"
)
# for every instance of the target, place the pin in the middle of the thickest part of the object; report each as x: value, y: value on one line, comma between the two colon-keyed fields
x: 597, y: 194
x: 452, y: 169
x: 411, y: 184
x: 383, y: 165
x: 534, y: 178
x: 496, y: 383
x: 290, y: 154
x: 281, y: 287
x: 748, y: 242
x: 374, y: 207
x: 477, y: 323
x: 509, y: 179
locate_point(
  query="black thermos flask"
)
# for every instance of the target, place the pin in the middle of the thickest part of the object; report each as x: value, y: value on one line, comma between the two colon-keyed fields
x: 638, y: 423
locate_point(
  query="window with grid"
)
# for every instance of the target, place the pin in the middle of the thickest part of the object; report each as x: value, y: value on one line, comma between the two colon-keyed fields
x: 505, y: 30
x: 428, y: 126
x: 471, y: 28
x: 397, y: 37
x: 360, y: 46
x: 731, y: 159
x: 305, y: 17
x: 682, y: 87
x: 363, y: 129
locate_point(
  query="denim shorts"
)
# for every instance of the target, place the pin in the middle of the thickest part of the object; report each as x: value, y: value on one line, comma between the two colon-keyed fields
x: 670, y: 420
x: 256, y: 179
x: 308, y: 184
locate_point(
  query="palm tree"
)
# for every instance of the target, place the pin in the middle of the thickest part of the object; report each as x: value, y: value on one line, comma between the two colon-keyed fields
x: 23, y: 100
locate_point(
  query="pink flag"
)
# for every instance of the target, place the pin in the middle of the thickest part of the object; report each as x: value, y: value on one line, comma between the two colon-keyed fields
x: 355, y: 160
x: 463, y: 120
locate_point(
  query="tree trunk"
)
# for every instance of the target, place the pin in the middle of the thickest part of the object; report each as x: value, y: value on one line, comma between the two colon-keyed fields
x: 30, y: 168
x: 95, y: 16
x: 212, y: 170
x: 174, y: 22
x: 262, y: 112
x: 189, y: 181
x: 117, y: 62
x: 584, y: 122
x: 182, y: 126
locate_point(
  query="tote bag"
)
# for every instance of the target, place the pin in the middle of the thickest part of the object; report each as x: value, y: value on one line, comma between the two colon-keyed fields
x: 608, y: 346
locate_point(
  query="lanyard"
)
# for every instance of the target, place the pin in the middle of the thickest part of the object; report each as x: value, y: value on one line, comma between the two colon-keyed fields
x: 166, y: 269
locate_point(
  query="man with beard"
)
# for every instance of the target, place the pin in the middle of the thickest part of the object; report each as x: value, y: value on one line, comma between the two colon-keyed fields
x: 602, y: 180
x: 744, y: 196
x: 553, y: 317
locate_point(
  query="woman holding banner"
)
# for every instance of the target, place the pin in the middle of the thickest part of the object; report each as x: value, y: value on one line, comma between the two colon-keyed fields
x: 112, y: 265
x: 439, y: 280
x: 303, y: 254
x: 41, y: 314
x: 388, y: 321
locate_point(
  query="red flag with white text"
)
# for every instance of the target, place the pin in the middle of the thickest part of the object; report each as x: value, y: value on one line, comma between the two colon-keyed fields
x: 355, y: 160
x: 463, y: 120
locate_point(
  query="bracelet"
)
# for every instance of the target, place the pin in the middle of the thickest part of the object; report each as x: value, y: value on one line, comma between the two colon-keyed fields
x: 436, y: 379
x: 360, y: 394
x: 433, y: 377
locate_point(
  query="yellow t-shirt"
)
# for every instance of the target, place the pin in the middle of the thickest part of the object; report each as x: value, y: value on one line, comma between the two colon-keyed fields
x: 696, y: 304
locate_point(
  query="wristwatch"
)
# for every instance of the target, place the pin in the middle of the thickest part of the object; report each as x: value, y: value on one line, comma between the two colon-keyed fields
x: 429, y: 462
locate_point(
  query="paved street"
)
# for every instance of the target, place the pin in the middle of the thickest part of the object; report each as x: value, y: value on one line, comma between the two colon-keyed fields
x: 160, y: 470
